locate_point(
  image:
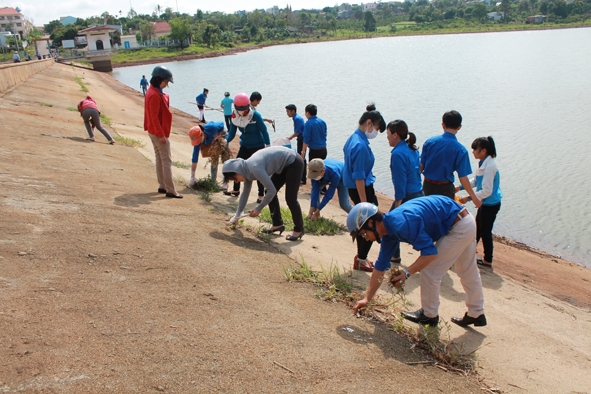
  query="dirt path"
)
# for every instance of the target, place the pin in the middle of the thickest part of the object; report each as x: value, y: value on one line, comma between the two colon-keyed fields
x: 107, y: 286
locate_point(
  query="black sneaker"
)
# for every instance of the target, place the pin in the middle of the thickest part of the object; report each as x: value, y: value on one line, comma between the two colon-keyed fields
x: 420, y: 318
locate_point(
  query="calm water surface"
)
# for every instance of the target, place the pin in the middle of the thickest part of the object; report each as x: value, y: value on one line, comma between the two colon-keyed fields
x: 530, y: 90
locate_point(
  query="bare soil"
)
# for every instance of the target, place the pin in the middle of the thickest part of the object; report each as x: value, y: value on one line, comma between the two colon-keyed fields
x: 108, y: 286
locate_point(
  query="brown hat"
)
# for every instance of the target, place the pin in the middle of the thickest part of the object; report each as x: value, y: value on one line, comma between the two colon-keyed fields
x: 315, y: 167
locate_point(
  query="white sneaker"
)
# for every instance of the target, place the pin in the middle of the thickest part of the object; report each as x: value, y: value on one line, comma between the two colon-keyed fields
x: 224, y: 186
x: 192, y: 182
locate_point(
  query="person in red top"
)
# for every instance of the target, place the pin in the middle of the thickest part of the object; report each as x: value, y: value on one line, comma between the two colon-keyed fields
x: 158, y: 122
x: 91, y: 115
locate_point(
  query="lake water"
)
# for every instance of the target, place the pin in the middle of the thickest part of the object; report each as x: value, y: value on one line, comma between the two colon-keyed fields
x: 530, y: 90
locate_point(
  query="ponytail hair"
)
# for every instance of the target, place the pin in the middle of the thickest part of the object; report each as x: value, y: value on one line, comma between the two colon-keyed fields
x: 374, y: 115
x: 486, y: 143
x: 401, y: 128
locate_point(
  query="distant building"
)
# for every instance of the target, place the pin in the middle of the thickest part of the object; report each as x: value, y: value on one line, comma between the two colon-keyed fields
x: 68, y: 20
x: 345, y: 7
x: 99, y: 46
x: 11, y: 19
x: 161, y: 29
x: 273, y: 10
x: 495, y: 16
x: 373, y: 7
x: 536, y: 19
x: 129, y: 42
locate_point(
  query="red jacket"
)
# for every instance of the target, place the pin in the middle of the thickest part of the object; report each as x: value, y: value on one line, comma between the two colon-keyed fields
x: 157, y: 115
x: 88, y: 102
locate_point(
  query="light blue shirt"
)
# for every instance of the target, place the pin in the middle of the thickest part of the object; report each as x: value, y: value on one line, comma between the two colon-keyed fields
x: 227, y: 104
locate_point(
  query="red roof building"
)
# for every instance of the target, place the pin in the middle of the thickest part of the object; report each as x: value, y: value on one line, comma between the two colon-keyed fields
x: 161, y: 29
x: 11, y: 19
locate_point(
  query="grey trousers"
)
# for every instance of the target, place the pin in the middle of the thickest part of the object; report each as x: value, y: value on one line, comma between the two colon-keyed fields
x: 94, y: 114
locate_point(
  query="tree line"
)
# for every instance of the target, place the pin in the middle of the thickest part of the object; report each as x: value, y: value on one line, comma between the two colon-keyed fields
x: 215, y: 29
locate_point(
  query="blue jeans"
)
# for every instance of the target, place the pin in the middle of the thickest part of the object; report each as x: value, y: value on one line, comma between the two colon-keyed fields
x: 344, y: 201
x: 408, y: 197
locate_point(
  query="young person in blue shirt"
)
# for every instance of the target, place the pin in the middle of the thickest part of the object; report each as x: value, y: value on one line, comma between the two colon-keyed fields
x: 253, y: 138
x: 226, y: 105
x: 315, y: 133
x: 298, y: 132
x: 358, y: 176
x: 442, y: 156
x: 201, y: 104
x: 210, y: 131
x: 404, y: 166
x: 144, y: 84
x: 443, y: 231
x: 487, y: 183
x: 327, y: 172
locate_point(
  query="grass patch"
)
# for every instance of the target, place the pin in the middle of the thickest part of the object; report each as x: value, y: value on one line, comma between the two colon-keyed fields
x: 334, y: 284
x: 179, y: 164
x: 207, y: 185
x: 82, y: 85
x: 129, y: 142
x: 322, y: 226
x: 46, y: 105
x: 73, y: 109
x: 105, y: 119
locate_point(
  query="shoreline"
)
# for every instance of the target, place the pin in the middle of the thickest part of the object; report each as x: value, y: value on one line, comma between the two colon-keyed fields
x: 233, y: 51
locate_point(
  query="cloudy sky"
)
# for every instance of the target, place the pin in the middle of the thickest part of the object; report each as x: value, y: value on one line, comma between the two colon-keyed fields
x: 43, y: 11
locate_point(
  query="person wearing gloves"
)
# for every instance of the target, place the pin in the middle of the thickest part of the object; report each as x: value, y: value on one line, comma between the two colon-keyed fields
x: 253, y: 138
x: 322, y: 173
x: 273, y: 167
x: 204, y: 135
x: 443, y: 232
x: 487, y: 183
x: 158, y: 123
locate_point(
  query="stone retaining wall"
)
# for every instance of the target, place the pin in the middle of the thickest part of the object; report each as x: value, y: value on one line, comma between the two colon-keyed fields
x: 13, y: 74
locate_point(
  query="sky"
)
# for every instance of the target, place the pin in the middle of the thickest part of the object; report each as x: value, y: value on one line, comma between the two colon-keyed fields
x: 43, y: 11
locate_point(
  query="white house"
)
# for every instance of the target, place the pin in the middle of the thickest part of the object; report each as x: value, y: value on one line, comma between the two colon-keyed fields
x: 129, y: 42
x: 373, y: 7
x: 495, y: 16
x: 99, y: 46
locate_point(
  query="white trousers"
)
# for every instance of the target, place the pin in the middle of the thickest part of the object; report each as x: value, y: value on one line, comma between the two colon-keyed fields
x: 457, y: 246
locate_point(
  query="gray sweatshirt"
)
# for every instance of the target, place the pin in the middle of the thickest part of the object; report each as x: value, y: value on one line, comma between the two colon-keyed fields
x: 260, y: 167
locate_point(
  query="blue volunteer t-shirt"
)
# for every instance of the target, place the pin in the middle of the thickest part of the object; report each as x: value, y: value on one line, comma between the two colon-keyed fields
x: 315, y: 133
x: 442, y: 155
x: 298, y: 126
x: 359, y: 160
x: 332, y: 177
x: 201, y: 99
x: 419, y: 222
x: 405, y: 169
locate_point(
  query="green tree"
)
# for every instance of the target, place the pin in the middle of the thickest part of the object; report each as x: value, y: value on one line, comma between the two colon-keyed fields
x: 180, y: 29
x: 479, y: 11
x: 147, y: 30
x: 370, y: 21
x: 211, y: 36
x: 51, y: 26
x: 199, y: 16
x: 505, y: 8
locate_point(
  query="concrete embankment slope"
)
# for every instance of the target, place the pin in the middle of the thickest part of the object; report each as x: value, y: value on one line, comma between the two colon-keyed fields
x: 13, y: 74
x: 105, y: 285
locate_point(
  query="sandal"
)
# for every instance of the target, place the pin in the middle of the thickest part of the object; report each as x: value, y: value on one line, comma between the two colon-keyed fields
x: 367, y: 266
x: 396, y: 260
x: 231, y: 193
x: 483, y: 263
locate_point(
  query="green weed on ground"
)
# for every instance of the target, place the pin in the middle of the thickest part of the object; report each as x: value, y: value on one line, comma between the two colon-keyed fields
x: 322, y: 226
x: 334, y: 284
x: 73, y: 109
x: 182, y: 165
x: 82, y: 85
x: 129, y: 142
x: 207, y: 185
x: 46, y: 105
x: 105, y: 119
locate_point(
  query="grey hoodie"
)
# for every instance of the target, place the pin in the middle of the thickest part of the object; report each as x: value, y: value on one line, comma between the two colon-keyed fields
x: 260, y: 167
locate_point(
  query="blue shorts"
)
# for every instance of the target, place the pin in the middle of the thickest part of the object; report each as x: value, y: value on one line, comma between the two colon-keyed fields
x: 196, y: 150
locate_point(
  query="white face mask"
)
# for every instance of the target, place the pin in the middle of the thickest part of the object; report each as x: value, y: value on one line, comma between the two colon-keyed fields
x: 319, y: 177
x: 371, y: 135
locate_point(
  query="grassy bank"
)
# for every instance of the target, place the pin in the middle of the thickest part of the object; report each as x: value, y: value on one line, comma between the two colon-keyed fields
x: 139, y: 56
